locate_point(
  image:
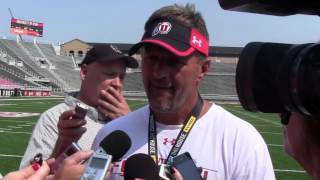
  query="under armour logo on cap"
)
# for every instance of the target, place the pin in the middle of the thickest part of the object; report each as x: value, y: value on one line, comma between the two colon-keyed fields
x: 199, y: 42
x: 196, y: 41
x: 162, y: 28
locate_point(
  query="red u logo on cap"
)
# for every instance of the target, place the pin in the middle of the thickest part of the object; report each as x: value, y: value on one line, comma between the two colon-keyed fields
x: 162, y: 28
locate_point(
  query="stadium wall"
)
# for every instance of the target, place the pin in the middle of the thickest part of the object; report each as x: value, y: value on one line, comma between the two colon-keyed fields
x: 6, y: 91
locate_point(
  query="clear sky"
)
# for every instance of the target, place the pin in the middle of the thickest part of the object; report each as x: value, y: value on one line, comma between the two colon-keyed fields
x: 119, y: 21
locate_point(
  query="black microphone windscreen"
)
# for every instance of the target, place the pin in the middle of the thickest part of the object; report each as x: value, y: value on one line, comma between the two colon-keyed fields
x: 141, y: 166
x: 116, y: 144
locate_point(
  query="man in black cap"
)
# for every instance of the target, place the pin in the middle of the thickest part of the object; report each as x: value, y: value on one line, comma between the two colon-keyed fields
x: 174, y: 51
x: 102, y: 72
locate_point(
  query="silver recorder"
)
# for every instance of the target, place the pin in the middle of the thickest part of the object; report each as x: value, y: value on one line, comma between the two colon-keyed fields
x: 97, y: 166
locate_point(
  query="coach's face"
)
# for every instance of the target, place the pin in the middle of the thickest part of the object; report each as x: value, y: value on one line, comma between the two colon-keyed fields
x: 101, y: 76
x: 169, y: 81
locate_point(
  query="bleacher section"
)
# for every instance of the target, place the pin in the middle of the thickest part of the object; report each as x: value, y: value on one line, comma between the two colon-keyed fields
x: 31, y: 49
x: 219, y: 84
x: 65, y: 66
x: 18, y: 75
x: 10, y: 75
x: 4, y: 81
x: 219, y: 67
x: 12, y: 48
x: 133, y: 82
x: 47, y: 48
x: 62, y: 71
x: 41, y: 60
x: 11, y: 55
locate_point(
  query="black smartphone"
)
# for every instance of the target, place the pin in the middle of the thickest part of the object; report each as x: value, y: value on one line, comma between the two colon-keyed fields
x: 186, y: 166
x: 81, y: 110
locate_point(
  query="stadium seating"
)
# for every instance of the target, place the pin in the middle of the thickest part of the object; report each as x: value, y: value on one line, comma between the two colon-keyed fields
x: 39, y: 60
x: 31, y: 48
x: 8, y: 77
x: 220, y: 67
x: 62, y: 71
x: 133, y: 82
x: 11, y: 52
x: 65, y: 66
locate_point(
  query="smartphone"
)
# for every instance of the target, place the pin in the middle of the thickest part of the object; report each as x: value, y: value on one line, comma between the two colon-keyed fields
x: 186, y: 166
x: 97, y: 166
x: 81, y: 110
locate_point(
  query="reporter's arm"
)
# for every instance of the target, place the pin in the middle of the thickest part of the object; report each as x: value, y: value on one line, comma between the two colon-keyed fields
x: 72, y: 167
x: 31, y: 172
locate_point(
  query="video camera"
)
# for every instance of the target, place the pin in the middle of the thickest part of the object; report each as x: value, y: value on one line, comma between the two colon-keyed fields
x: 274, y: 77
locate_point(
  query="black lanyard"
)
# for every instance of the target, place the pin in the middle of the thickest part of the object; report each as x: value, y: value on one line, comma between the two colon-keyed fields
x: 182, y: 136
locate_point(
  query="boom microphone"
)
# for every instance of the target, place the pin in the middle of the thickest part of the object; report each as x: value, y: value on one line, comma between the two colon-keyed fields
x: 111, y: 148
x: 141, y: 166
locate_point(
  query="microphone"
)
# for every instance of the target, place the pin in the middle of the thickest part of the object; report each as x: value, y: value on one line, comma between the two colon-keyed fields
x: 111, y: 148
x: 140, y: 166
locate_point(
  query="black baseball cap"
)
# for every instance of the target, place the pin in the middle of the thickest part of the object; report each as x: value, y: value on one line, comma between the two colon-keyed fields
x: 177, y: 38
x: 104, y: 53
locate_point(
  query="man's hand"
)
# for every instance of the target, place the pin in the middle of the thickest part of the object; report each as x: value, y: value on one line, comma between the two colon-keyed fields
x: 70, y: 129
x: 112, y: 103
x: 176, y: 174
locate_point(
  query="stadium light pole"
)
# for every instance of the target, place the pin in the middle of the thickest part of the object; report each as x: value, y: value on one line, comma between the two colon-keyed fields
x: 13, y: 17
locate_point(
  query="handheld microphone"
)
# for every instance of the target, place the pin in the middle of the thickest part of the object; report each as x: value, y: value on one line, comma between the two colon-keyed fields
x: 111, y: 148
x: 140, y: 166
x: 81, y: 110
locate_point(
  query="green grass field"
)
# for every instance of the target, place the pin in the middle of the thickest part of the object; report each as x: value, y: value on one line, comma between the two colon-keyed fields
x: 15, y: 133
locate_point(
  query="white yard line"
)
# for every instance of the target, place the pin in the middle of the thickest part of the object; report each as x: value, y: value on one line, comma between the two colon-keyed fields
x: 1, y: 131
x: 289, y: 170
x: 5, y: 129
x: 264, y: 132
x: 14, y: 127
x: 10, y: 155
x: 24, y: 125
x: 276, y: 145
x: 17, y: 121
x: 264, y: 125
